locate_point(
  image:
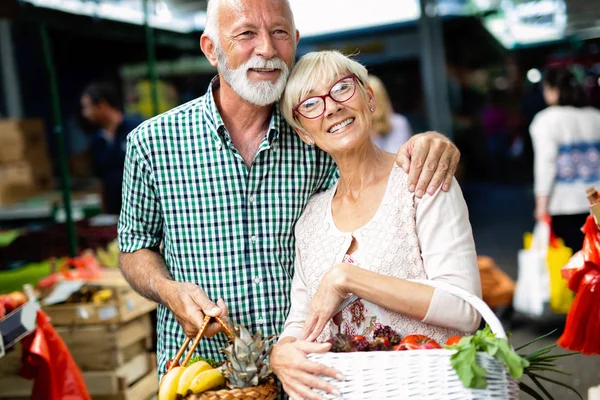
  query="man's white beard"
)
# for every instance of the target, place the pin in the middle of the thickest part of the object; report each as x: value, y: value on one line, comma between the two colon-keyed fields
x: 260, y: 93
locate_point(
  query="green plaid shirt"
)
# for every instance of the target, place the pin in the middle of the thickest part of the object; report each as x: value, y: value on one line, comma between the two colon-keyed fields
x: 226, y: 227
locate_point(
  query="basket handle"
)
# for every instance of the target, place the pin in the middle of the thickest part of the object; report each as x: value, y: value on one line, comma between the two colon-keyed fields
x: 205, y: 322
x: 484, y: 310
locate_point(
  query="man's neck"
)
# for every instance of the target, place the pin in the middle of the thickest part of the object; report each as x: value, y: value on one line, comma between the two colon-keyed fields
x: 246, y: 123
x: 112, y: 122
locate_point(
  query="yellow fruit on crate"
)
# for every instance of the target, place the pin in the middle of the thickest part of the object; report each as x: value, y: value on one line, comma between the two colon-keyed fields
x: 170, y: 383
x: 207, y: 380
x: 189, y: 374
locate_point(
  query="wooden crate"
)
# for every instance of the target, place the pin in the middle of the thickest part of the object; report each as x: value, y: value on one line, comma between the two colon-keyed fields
x: 96, y: 347
x: 136, y: 380
x: 125, y: 305
x: 106, y: 347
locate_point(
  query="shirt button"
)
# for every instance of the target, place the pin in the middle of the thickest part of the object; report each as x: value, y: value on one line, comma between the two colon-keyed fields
x: 261, y: 320
x: 219, y: 145
x: 274, y: 146
x: 253, y: 239
x: 257, y: 280
x: 251, y: 199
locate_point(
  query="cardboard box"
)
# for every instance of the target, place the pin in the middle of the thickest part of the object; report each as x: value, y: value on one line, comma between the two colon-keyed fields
x: 25, y: 140
x: 16, y: 182
x: 18, y: 137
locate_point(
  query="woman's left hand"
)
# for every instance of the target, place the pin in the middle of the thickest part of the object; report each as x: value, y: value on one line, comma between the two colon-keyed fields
x: 324, y: 305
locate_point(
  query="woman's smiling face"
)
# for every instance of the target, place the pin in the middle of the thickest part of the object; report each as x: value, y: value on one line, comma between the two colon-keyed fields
x: 344, y: 125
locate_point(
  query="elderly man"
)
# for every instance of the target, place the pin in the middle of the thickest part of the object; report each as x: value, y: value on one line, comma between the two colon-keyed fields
x: 222, y: 179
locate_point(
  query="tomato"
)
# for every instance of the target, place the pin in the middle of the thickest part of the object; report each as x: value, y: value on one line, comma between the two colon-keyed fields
x: 452, y: 340
x: 419, y: 342
x: 358, y: 338
x: 171, y: 362
x: 398, y: 347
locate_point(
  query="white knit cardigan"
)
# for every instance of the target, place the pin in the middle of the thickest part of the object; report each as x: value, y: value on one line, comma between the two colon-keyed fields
x: 407, y: 238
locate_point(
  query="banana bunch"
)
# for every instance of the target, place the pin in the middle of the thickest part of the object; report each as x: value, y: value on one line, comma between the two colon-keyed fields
x: 195, y: 378
x: 110, y: 256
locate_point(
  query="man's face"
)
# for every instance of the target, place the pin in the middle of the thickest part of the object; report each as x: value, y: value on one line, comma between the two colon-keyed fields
x: 89, y: 110
x: 257, y: 48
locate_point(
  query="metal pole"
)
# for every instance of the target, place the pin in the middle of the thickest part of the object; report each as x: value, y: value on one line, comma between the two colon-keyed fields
x: 150, y: 45
x: 433, y: 69
x: 58, y: 130
x: 10, y: 81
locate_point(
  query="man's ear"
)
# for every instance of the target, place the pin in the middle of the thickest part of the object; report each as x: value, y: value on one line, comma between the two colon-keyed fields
x: 297, y: 36
x: 208, y: 48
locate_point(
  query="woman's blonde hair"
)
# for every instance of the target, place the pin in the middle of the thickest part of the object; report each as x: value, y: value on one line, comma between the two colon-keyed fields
x: 382, y: 117
x: 313, y: 69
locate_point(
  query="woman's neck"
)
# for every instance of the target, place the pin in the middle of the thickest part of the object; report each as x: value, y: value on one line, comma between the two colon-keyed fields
x: 362, y: 168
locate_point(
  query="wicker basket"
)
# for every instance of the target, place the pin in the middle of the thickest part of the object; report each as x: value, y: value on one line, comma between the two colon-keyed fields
x: 419, y: 374
x: 265, y: 391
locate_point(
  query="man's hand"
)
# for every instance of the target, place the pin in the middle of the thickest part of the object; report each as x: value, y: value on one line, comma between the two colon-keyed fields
x: 297, y: 374
x: 429, y: 159
x: 190, y: 304
x: 325, y: 303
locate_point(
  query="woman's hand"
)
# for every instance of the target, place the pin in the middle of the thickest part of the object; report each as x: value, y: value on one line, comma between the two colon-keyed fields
x: 297, y: 374
x: 430, y: 159
x: 324, y: 305
x: 541, y: 208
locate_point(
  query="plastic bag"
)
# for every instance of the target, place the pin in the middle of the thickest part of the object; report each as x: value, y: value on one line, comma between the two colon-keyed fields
x: 582, y: 328
x: 532, y: 292
x: 561, y: 297
x: 46, y: 360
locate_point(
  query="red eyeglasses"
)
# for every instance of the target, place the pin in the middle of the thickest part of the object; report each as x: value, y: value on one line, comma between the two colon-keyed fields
x: 340, y: 92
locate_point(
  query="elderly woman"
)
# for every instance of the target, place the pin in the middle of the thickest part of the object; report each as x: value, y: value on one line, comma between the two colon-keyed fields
x: 368, y: 235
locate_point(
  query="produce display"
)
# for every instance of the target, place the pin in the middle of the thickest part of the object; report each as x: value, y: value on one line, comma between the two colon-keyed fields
x: 384, y: 338
x: 10, y: 302
x: 245, y: 366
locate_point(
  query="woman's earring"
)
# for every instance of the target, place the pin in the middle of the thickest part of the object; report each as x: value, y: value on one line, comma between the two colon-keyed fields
x: 310, y: 142
x: 372, y: 109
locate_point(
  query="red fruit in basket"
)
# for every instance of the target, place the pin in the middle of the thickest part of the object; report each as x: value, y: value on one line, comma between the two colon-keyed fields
x: 419, y: 342
x: 452, y: 340
x: 171, y: 362
x: 360, y: 343
x: 341, y: 343
x: 398, y: 347
x: 388, y: 333
x: 2, y: 310
x: 379, y: 344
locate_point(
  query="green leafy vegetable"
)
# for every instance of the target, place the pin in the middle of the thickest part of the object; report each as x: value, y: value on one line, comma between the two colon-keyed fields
x: 464, y: 361
x: 210, y: 361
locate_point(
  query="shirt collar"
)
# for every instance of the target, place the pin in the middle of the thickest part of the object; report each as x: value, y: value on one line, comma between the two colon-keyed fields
x: 219, y: 131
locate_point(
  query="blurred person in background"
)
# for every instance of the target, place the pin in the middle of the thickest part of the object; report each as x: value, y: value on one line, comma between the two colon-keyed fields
x: 101, y: 107
x: 390, y: 130
x: 494, y: 119
x: 566, y: 144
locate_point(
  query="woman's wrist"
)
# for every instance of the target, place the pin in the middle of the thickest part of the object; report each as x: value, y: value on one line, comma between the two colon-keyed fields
x: 343, y: 278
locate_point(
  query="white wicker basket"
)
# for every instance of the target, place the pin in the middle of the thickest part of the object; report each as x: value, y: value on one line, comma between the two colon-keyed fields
x: 419, y: 374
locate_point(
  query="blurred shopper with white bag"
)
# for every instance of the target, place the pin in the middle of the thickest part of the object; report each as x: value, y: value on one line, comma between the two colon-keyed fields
x: 566, y: 143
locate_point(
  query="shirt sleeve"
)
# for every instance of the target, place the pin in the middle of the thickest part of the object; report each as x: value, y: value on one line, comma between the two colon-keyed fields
x: 448, y: 252
x: 140, y: 222
x: 545, y: 153
x: 300, y: 303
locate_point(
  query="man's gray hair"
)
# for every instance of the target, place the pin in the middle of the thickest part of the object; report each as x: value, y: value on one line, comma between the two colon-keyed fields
x: 211, y: 29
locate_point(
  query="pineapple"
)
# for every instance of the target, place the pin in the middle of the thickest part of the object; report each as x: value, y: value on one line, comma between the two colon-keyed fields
x: 246, y: 363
